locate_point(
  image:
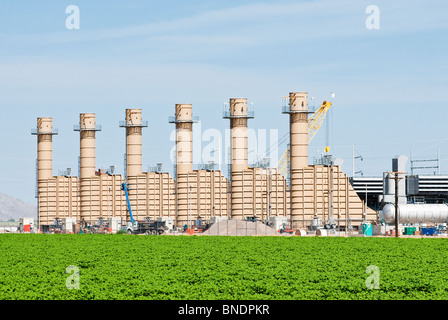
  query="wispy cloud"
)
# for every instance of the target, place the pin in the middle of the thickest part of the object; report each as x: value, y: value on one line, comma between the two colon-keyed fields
x: 263, y: 23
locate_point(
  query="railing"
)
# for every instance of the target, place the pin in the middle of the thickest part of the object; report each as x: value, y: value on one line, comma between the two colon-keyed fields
x: 36, y: 131
x: 287, y: 109
x: 172, y: 119
x: 77, y: 127
x: 226, y: 115
x: 125, y: 124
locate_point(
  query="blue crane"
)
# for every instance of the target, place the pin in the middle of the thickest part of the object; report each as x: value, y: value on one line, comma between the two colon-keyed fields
x: 136, y: 227
x: 126, y: 189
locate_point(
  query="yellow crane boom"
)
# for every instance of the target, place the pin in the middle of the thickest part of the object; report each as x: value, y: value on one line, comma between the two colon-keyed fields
x: 314, y: 123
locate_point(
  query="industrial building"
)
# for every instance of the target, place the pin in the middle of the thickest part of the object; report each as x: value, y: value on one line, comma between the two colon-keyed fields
x: 412, y: 188
x: 421, y: 199
x: 315, y: 193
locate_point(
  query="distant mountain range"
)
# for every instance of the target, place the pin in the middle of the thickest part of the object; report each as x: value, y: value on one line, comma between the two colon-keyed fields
x: 13, y: 208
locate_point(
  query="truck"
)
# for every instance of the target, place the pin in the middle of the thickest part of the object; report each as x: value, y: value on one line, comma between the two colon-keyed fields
x: 145, y: 227
x: 141, y: 227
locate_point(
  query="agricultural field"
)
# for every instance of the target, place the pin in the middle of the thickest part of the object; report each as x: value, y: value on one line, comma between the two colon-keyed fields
x: 33, y: 266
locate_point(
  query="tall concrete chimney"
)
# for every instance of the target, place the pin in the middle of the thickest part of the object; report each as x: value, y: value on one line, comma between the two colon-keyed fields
x: 133, y: 125
x: 44, y: 134
x: 298, y: 131
x: 238, y: 115
x: 184, y: 138
x: 87, y: 128
x: 298, y: 128
x: 184, y: 161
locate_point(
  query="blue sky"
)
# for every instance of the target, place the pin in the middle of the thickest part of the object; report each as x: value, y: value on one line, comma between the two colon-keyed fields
x: 390, y: 84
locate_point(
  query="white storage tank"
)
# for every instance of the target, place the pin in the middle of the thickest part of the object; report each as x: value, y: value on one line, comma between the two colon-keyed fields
x: 416, y: 213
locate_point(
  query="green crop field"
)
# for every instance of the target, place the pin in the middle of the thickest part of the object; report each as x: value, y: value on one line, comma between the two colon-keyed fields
x: 33, y: 266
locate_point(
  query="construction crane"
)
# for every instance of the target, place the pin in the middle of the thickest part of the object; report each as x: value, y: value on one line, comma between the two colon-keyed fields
x: 314, y: 123
x: 126, y: 189
x: 139, y: 227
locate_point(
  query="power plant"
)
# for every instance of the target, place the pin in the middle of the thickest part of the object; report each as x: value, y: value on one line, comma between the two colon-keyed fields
x: 314, y: 197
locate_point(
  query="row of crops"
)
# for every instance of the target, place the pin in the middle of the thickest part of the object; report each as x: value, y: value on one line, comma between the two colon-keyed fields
x: 34, y: 266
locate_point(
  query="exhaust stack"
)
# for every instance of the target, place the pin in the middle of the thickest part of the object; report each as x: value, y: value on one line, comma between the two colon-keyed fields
x: 238, y: 115
x: 133, y: 125
x: 298, y: 130
x: 87, y: 128
x: 184, y: 138
x: 44, y: 133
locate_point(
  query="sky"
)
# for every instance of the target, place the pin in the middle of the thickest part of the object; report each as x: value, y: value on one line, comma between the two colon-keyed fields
x: 389, y: 82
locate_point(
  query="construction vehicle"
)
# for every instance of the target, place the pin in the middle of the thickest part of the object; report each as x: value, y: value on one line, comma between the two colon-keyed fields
x: 100, y: 227
x: 314, y: 123
x: 146, y: 227
x: 200, y: 226
x: 141, y: 227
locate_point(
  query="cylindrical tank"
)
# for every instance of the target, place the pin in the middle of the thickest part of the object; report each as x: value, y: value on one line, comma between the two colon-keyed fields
x: 416, y: 213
